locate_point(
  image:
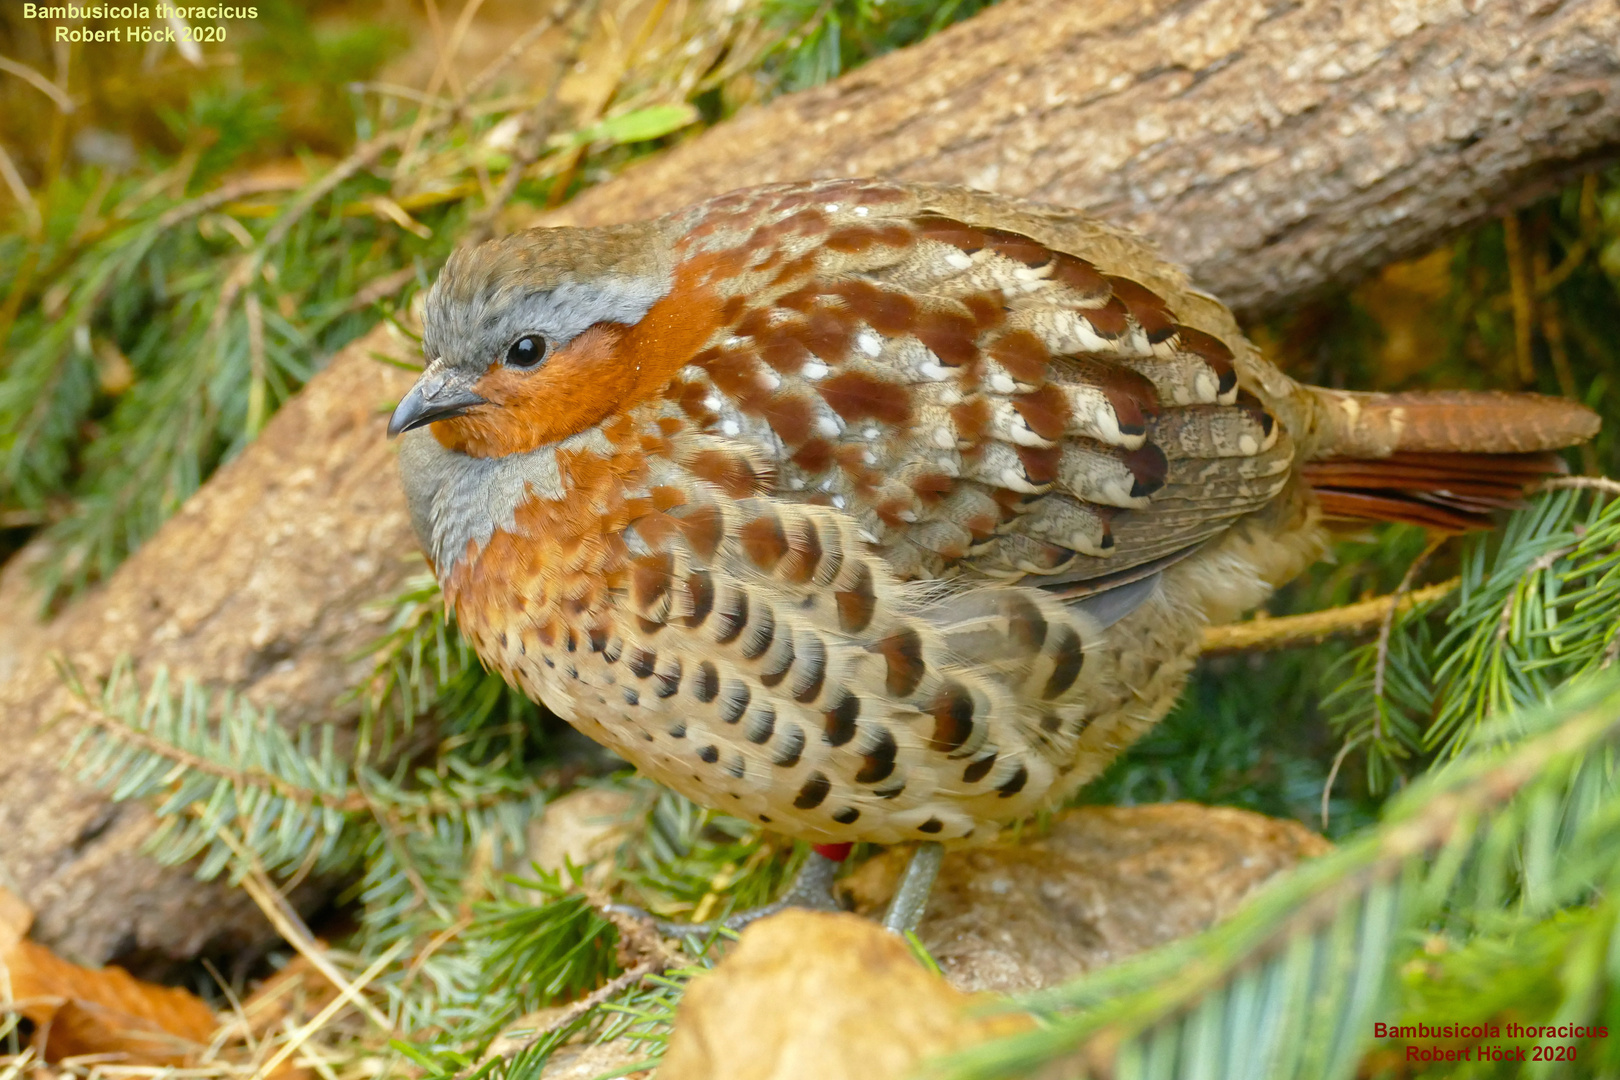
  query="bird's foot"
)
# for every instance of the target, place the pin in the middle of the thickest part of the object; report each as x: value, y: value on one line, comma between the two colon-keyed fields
x: 812, y: 889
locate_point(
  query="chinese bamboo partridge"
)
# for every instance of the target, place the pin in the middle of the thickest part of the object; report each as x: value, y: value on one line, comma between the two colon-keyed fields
x: 880, y: 511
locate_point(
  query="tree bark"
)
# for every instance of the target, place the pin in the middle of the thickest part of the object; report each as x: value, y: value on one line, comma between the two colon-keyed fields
x: 1273, y: 147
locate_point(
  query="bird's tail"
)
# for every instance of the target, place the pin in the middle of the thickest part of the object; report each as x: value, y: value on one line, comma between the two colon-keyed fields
x: 1442, y: 459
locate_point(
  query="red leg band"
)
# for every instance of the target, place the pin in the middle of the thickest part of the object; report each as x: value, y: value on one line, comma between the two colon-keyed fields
x: 835, y: 852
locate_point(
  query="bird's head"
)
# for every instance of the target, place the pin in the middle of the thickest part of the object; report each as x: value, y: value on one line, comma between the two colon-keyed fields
x: 526, y: 337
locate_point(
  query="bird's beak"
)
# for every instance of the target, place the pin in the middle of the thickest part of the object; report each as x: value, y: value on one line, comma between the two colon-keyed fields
x: 441, y: 392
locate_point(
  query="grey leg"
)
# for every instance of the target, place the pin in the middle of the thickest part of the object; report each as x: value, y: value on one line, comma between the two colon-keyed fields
x: 812, y: 888
x: 911, y: 898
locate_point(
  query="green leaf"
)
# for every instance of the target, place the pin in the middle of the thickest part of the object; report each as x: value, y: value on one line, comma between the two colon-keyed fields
x: 653, y: 122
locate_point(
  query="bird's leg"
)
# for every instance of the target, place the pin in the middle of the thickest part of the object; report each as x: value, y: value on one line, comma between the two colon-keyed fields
x: 911, y: 898
x: 812, y: 888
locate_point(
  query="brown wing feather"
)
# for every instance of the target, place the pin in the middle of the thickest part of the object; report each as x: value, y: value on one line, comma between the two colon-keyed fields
x: 1013, y: 394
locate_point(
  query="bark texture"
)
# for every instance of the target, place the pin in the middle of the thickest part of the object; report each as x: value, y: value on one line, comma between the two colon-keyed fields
x: 1274, y: 147
x: 1271, y: 146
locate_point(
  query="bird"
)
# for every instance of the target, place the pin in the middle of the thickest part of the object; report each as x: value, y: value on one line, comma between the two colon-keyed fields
x: 869, y: 510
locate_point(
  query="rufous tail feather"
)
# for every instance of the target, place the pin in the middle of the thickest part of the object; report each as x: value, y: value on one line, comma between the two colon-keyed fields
x: 1445, y: 460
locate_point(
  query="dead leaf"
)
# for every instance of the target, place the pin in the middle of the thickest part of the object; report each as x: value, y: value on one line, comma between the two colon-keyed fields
x: 817, y: 996
x: 78, y: 1011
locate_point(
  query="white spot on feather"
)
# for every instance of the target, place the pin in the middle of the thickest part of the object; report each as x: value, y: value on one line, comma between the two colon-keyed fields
x: 959, y: 260
x: 944, y: 439
x: 832, y: 208
x: 838, y: 502
x: 828, y: 425
x: 862, y: 211
x: 730, y: 428
x: 815, y: 369
x: 770, y: 380
x: 869, y: 343
x: 1002, y: 383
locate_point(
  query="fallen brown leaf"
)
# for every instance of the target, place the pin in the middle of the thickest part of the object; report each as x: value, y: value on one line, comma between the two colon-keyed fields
x: 816, y: 996
x: 78, y: 1011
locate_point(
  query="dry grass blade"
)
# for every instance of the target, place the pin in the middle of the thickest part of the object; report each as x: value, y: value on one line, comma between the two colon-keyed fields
x: 1316, y: 626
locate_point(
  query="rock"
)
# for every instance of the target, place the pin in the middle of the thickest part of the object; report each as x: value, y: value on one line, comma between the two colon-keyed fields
x: 597, y: 1059
x: 818, y: 996
x: 1101, y: 884
x: 584, y: 828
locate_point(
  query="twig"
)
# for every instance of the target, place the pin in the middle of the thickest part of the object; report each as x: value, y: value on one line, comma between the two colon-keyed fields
x: 1387, y: 625
x: 348, y: 994
x: 38, y: 82
x: 1290, y: 630
x: 256, y: 883
x: 1592, y: 483
x: 1333, y: 774
x: 1523, y: 296
x: 534, y: 145
x: 653, y: 965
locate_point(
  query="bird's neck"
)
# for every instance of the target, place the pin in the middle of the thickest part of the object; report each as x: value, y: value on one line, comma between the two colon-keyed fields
x: 539, y: 534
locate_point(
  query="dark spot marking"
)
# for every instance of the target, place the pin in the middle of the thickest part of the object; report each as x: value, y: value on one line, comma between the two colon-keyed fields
x: 1014, y: 783
x: 977, y: 770
x: 782, y: 663
x: 877, y: 763
x: 792, y: 745
x: 932, y: 825
x: 598, y: 637
x: 840, y: 720
x: 700, y: 597
x: 1068, y: 658
x: 737, y: 767
x: 812, y: 674
x: 631, y: 696
x: 890, y: 792
x: 707, y: 683
x: 710, y: 754
x: 1025, y: 623
x: 952, y: 709
x: 846, y: 816
x: 858, y: 602
x: 669, y: 681
x: 902, y: 652
x: 733, y: 617
x: 736, y: 701
x: 815, y: 789
x: 761, y: 724
x: 760, y: 635
x: 1148, y: 466
x: 1051, y: 723
x: 642, y: 661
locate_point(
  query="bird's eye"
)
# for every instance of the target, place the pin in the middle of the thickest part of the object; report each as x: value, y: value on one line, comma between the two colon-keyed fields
x: 526, y: 351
